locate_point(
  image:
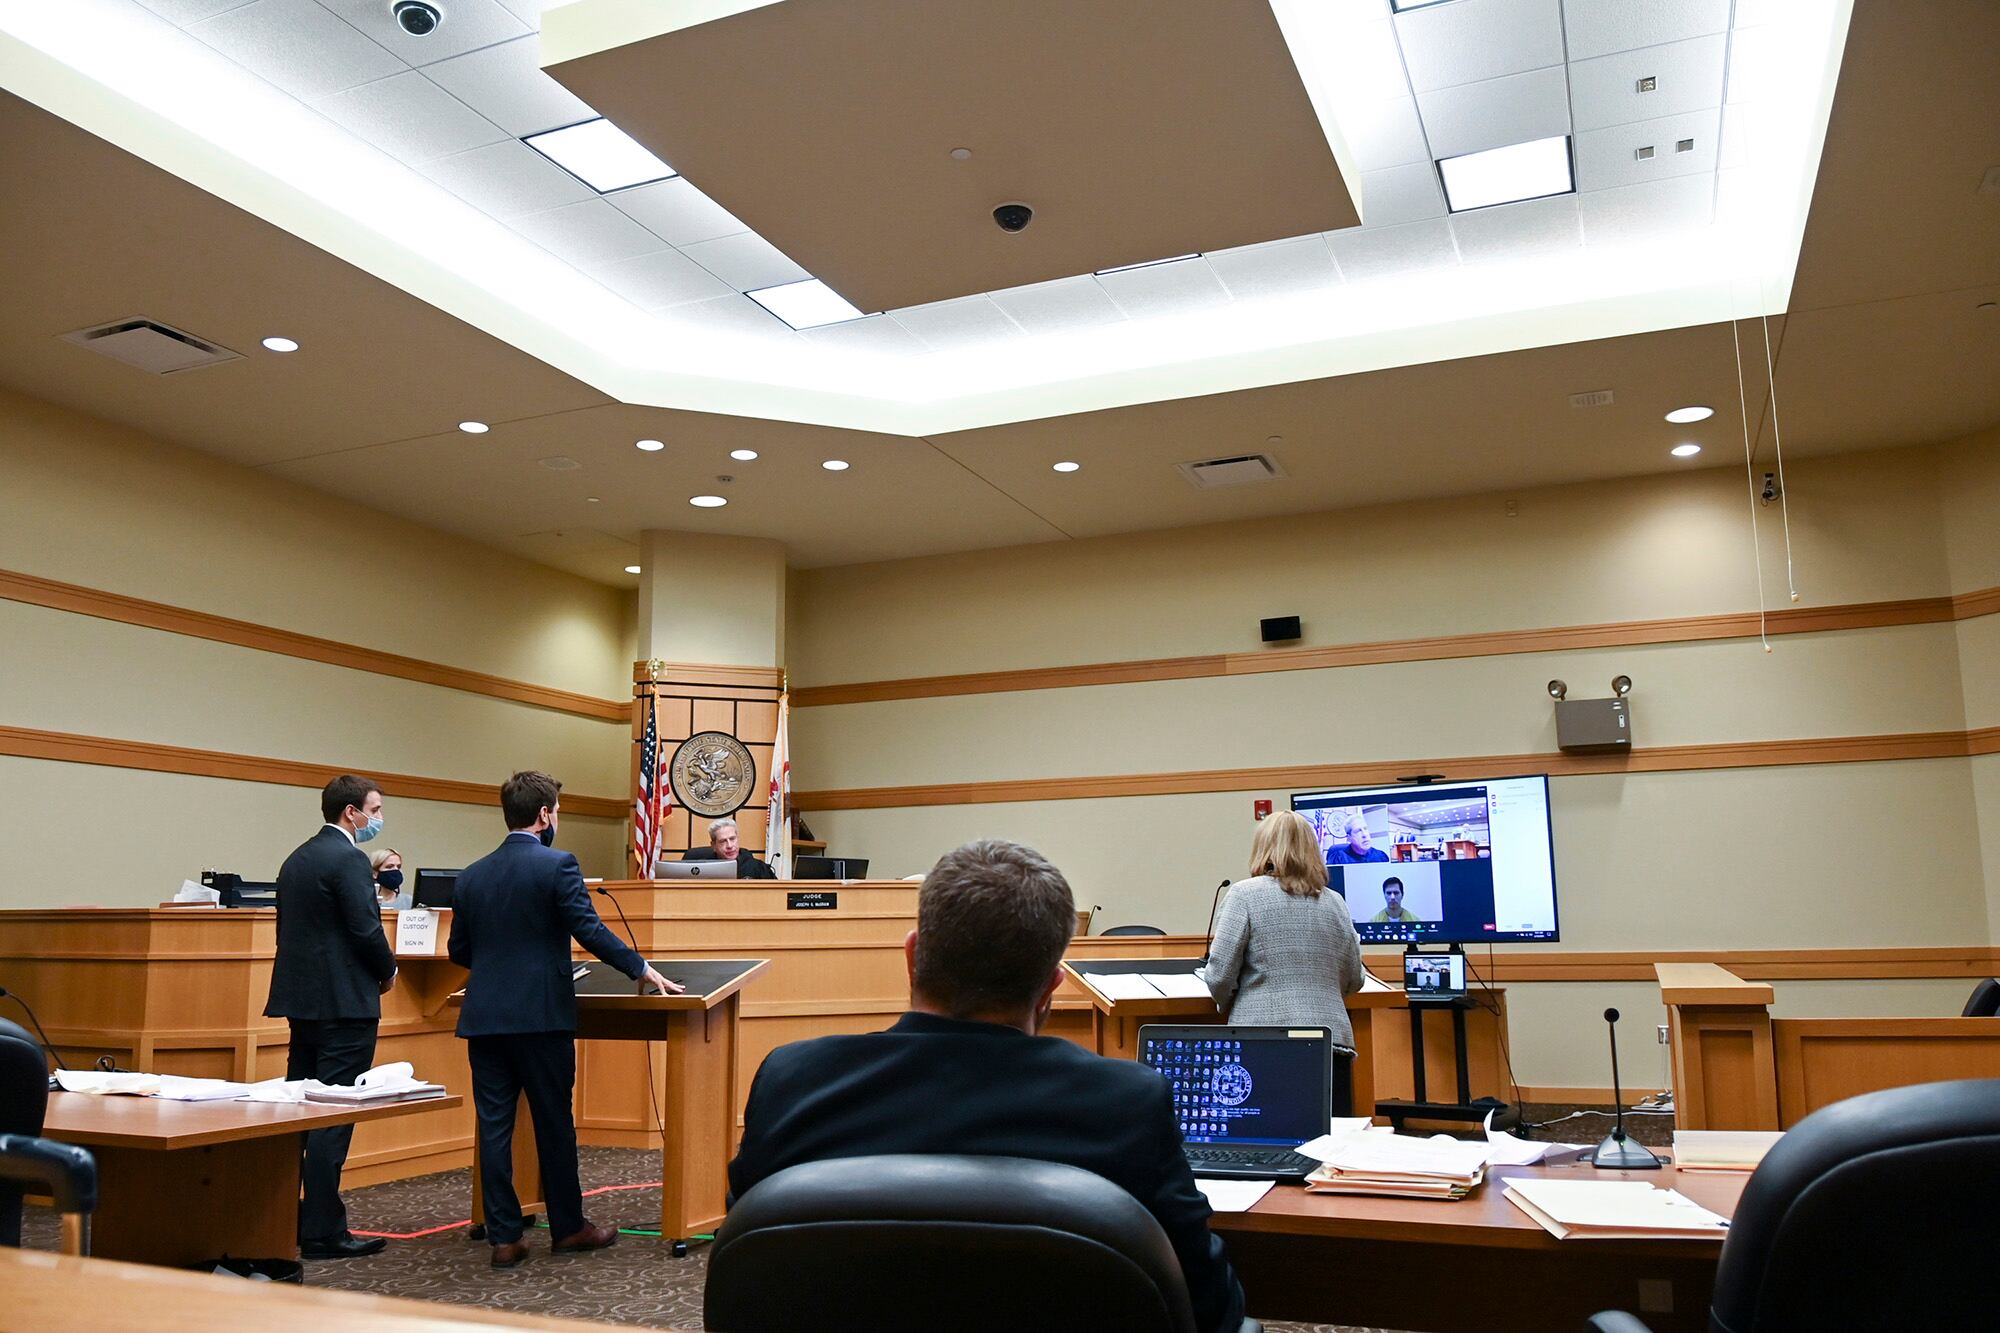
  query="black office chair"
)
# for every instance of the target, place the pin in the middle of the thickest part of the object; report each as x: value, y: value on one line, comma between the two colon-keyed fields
x: 1135, y: 930
x: 918, y: 1243
x: 60, y: 1172
x: 1984, y: 1002
x: 24, y: 1100
x: 1873, y: 1213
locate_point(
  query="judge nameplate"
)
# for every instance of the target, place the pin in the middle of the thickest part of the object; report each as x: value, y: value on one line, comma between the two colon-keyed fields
x: 812, y: 900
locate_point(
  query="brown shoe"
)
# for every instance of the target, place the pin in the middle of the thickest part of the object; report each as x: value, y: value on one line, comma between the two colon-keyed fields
x: 511, y: 1255
x: 590, y: 1238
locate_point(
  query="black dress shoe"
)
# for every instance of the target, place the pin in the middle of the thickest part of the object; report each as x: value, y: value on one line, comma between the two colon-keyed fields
x: 342, y: 1247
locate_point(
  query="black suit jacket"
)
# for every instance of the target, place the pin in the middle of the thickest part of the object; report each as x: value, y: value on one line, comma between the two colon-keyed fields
x: 747, y: 864
x: 513, y: 913
x: 332, y: 953
x: 937, y: 1085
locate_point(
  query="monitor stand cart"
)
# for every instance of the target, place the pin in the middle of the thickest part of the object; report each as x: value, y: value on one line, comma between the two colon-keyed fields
x: 1420, y: 1107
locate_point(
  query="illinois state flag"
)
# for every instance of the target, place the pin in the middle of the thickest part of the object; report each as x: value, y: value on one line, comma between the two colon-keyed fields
x: 777, y: 824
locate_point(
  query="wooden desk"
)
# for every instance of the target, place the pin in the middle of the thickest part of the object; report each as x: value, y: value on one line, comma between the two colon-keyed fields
x: 181, y: 1182
x: 56, y: 1291
x: 1476, y: 1264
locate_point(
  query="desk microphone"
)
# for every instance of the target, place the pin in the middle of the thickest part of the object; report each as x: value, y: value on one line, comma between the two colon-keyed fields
x: 1618, y: 1153
x: 1208, y: 941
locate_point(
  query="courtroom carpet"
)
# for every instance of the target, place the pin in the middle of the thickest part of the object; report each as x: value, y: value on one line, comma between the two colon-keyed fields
x: 637, y: 1282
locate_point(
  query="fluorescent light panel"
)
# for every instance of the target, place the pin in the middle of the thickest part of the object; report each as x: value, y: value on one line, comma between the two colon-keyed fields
x: 1405, y: 6
x: 1533, y: 170
x: 600, y: 155
x: 805, y: 305
x: 1150, y: 263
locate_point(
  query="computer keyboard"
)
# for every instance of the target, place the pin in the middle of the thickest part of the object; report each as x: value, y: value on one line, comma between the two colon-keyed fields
x: 1259, y: 1157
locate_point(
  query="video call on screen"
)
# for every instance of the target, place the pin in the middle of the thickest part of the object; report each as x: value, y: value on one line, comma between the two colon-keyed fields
x: 1231, y: 1091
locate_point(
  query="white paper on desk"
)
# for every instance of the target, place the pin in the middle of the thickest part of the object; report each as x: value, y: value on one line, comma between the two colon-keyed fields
x: 1371, y: 982
x: 1504, y: 1149
x: 417, y: 932
x: 102, y: 1084
x: 389, y: 1075
x: 191, y: 892
x: 1177, y: 985
x: 1617, y: 1206
x: 1321, y: 1148
x: 1122, y: 986
x: 276, y: 1090
x: 174, y: 1088
x: 1401, y: 1154
x: 1234, y: 1196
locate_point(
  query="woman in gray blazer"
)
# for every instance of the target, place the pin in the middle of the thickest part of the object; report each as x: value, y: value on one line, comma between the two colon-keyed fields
x: 1285, y: 951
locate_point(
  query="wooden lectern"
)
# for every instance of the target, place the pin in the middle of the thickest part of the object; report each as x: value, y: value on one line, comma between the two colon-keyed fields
x: 694, y: 1083
x: 1115, y: 1020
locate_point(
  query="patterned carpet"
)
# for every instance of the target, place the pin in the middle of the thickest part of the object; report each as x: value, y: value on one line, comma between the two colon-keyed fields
x: 638, y: 1282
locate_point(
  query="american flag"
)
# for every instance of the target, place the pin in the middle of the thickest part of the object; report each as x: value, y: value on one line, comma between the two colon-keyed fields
x: 655, y: 798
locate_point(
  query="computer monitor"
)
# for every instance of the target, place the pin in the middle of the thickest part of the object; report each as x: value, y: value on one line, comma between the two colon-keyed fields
x: 829, y: 867
x: 700, y: 868
x: 433, y: 888
x: 1433, y: 976
x: 1441, y: 863
x: 1269, y: 1086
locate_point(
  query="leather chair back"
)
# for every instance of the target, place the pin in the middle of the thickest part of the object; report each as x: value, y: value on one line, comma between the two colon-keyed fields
x: 1984, y: 1002
x: 1135, y: 930
x: 915, y: 1242
x: 24, y: 1100
x: 1873, y: 1213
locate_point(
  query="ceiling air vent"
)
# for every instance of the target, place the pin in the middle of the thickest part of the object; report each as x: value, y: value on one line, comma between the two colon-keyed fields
x: 1594, y: 398
x: 1215, y: 473
x: 151, y: 346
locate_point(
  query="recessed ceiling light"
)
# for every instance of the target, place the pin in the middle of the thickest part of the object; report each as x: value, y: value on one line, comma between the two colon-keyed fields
x: 591, y: 500
x: 651, y: 446
x: 1533, y: 170
x: 280, y: 345
x: 631, y: 569
x: 1682, y: 416
x: 961, y: 154
x: 1067, y: 466
x: 707, y: 501
x: 805, y: 305
x: 1685, y: 450
x: 474, y: 427
x: 600, y: 155
x: 835, y: 465
x: 743, y: 455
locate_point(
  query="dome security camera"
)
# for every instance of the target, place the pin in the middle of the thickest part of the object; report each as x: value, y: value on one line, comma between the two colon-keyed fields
x: 1013, y: 217
x: 416, y: 18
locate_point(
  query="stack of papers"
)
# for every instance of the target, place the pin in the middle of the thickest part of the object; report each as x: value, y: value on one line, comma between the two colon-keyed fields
x: 1613, y: 1210
x: 384, y: 1083
x: 1399, y: 1167
x: 1722, y: 1149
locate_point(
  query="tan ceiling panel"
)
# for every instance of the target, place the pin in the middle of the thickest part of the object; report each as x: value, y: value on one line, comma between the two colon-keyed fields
x: 90, y: 234
x: 1136, y: 133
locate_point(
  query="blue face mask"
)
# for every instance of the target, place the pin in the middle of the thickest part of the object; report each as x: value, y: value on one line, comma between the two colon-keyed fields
x: 390, y: 879
x: 548, y: 836
x: 367, y: 832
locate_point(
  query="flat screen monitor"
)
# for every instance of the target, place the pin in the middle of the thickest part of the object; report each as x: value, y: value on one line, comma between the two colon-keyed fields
x: 1444, y: 863
x: 433, y: 888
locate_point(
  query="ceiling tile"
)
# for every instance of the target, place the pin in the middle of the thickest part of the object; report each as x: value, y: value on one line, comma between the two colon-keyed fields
x: 1165, y: 289
x: 876, y: 333
x: 1605, y: 91
x: 1377, y: 252
x: 468, y: 25
x: 505, y: 84
x: 410, y: 118
x: 746, y: 261
x: 530, y: 11
x: 1600, y: 27
x: 1367, y: 65
x: 297, y: 46
x: 677, y: 212
x: 1609, y: 158
x: 1646, y: 212
x: 735, y: 314
x: 658, y: 280
x: 1276, y: 268
x: 1518, y: 231
x: 966, y: 322
x: 1473, y: 40
x: 191, y: 11
x: 1053, y: 307
x: 1473, y: 117
x: 1385, y: 134
x: 508, y: 178
x: 592, y: 232
x: 1401, y: 194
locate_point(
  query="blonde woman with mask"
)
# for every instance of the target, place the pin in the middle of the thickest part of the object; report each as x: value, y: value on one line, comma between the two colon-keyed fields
x: 1285, y: 952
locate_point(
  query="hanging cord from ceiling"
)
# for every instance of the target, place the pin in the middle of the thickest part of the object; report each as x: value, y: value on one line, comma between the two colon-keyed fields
x: 1778, y: 437
x: 1750, y: 478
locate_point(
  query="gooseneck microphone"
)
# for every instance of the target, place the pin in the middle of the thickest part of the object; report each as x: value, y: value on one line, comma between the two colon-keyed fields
x: 1616, y: 1152
x: 1208, y: 940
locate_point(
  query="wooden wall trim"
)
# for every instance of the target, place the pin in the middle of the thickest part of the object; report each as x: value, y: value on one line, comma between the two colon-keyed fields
x: 67, y: 747
x: 1684, y: 629
x: 705, y: 673
x: 33, y: 591
x: 1658, y: 759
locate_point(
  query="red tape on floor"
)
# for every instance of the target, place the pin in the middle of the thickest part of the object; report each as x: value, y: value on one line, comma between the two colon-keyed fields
x: 453, y: 1226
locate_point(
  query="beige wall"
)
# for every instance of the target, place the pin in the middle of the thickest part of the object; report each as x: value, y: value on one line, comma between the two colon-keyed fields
x: 93, y: 504
x: 1883, y: 854
x: 713, y: 600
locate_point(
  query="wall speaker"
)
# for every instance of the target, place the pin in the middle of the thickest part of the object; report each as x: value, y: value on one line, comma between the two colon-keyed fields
x: 1279, y: 629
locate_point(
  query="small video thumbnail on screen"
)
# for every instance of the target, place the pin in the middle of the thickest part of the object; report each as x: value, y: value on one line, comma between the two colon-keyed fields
x: 1434, y: 973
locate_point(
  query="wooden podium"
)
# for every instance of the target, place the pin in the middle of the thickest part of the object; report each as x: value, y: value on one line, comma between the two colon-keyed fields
x: 693, y: 1084
x: 1115, y: 1020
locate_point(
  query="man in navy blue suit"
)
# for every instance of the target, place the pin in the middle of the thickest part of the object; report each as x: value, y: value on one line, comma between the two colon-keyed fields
x: 514, y: 913
x: 965, y: 1072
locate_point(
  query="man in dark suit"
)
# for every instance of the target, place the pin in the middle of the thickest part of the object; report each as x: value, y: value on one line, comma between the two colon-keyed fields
x: 514, y: 913
x: 965, y: 1072
x: 723, y: 840
x: 333, y: 967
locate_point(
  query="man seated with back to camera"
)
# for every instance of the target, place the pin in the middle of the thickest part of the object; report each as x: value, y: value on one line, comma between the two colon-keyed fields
x: 965, y: 1071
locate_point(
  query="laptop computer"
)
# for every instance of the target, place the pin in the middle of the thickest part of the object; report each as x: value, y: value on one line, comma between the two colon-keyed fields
x: 710, y: 869
x: 830, y: 867
x: 1434, y: 978
x: 1246, y: 1097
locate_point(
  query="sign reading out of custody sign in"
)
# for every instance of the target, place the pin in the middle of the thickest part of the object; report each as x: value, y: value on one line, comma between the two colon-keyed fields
x: 713, y: 774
